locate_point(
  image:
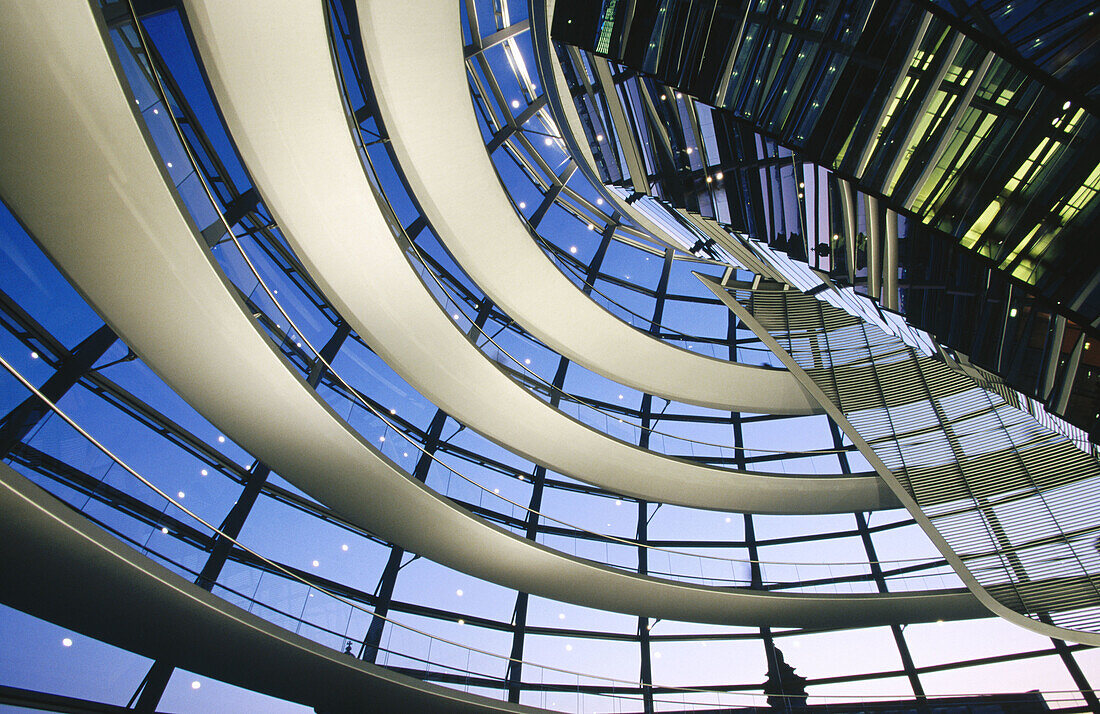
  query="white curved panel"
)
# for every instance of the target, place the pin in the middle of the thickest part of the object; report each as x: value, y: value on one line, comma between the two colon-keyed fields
x: 415, y: 58
x: 89, y: 191
x: 129, y: 601
x: 272, y: 73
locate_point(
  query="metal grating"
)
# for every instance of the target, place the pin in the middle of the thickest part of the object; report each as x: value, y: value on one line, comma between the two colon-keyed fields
x: 1016, y: 501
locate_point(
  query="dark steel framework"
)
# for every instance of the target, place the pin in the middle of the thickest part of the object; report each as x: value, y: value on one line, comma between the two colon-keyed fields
x: 82, y: 369
x: 869, y: 117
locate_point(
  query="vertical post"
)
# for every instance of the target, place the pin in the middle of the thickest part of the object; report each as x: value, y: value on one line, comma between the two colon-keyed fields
x: 646, y: 668
x: 756, y: 574
x: 880, y: 581
x: 514, y: 675
x: 384, y: 590
x: 1079, y: 678
x: 662, y: 291
x: 234, y: 211
x: 874, y: 252
x: 258, y: 474
x: 152, y: 686
x: 848, y: 204
x: 597, y: 260
x: 1052, y: 354
x: 151, y: 689
x: 383, y: 593
x: 1069, y: 375
x: 231, y: 526
x: 1006, y: 315
x: 15, y: 426
x: 1021, y: 337
x: 890, y: 263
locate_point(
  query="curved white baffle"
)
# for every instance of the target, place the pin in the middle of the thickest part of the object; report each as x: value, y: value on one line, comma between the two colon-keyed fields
x: 272, y: 74
x: 129, y: 601
x: 416, y: 64
x: 95, y: 198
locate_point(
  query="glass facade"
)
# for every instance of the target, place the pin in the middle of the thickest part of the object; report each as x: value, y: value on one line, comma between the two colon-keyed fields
x: 821, y: 129
x: 133, y: 459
